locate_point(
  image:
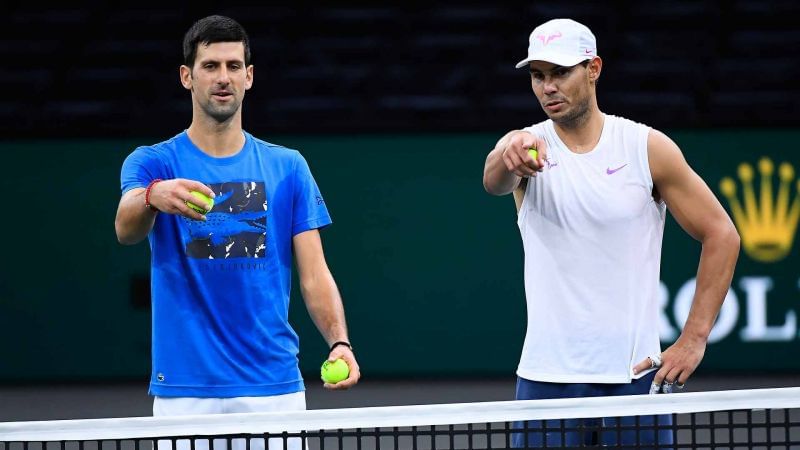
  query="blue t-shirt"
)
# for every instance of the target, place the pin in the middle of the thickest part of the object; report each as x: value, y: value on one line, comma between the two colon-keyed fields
x: 220, y: 287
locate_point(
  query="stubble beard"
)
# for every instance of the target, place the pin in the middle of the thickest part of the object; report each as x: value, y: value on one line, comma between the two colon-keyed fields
x: 576, y: 116
x: 221, y: 113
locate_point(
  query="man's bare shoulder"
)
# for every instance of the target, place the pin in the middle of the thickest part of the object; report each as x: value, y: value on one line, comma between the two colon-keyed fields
x: 664, y: 155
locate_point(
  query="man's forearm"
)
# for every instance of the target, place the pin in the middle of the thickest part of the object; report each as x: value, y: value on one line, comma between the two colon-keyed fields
x: 714, y: 274
x: 325, y: 307
x: 134, y: 220
x: 497, y: 180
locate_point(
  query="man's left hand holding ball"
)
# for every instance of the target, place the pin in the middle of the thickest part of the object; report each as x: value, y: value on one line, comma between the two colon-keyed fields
x: 346, y: 353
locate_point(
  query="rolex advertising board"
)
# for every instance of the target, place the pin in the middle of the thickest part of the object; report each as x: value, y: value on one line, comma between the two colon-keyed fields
x: 427, y: 262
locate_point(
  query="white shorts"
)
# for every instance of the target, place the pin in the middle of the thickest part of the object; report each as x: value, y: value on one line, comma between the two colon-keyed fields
x: 180, y: 406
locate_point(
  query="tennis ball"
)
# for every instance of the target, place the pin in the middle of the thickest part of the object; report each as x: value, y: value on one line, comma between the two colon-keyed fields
x: 202, y: 197
x: 334, y: 372
x: 532, y: 151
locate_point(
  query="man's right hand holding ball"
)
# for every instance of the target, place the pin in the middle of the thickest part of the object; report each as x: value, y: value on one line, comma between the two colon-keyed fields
x: 171, y: 196
x: 517, y: 157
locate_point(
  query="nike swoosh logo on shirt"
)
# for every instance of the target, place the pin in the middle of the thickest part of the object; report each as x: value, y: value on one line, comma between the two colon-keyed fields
x: 611, y: 171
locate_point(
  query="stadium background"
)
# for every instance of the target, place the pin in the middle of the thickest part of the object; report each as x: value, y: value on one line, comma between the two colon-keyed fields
x: 395, y: 107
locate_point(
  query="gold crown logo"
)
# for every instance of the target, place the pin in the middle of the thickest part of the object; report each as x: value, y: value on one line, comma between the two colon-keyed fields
x: 767, y: 226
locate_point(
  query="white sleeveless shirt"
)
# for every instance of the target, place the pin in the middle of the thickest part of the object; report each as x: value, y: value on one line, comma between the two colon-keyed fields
x: 592, y: 235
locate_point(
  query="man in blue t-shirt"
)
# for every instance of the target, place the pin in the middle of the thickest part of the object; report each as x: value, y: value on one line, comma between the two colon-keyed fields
x: 221, y: 278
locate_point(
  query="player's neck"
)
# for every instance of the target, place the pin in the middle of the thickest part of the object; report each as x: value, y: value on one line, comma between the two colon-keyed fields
x: 217, y: 139
x: 582, y: 136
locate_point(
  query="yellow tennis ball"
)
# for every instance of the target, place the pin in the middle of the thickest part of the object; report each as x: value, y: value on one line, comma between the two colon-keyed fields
x: 202, y: 197
x: 532, y: 151
x: 334, y: 372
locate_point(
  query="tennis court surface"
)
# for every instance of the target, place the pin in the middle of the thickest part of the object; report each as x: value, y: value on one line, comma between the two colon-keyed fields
x: 737, y: 419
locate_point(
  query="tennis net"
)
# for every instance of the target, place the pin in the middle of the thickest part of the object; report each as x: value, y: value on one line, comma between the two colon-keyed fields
x: 741, y: 419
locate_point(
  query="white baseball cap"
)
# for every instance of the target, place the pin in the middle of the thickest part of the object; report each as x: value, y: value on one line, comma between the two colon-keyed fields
x: 564, y: 42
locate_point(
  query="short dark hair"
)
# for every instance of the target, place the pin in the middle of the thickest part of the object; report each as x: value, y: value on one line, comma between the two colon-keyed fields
x: 210, y: 30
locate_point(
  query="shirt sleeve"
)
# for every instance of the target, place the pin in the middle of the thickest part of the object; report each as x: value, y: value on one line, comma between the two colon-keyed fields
x: 309, y: 211
x: 140, y: 168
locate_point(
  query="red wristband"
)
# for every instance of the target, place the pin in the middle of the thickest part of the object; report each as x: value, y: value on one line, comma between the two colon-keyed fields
x: 147, y: 194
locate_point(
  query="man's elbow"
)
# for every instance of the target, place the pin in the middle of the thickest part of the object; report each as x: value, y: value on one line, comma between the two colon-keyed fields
x: 491, y: 186
x: 726, y: 236
x: 123, y: 236
x: 312, y: 284
x: 126, y: 240
x: 733, y: 239
x: 487, y: 186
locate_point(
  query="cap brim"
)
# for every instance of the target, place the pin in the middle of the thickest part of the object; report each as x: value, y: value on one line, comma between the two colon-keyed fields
x: 554, y: 58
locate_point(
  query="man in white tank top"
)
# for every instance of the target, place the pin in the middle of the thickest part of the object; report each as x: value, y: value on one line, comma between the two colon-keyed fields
x: 591, y: 207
